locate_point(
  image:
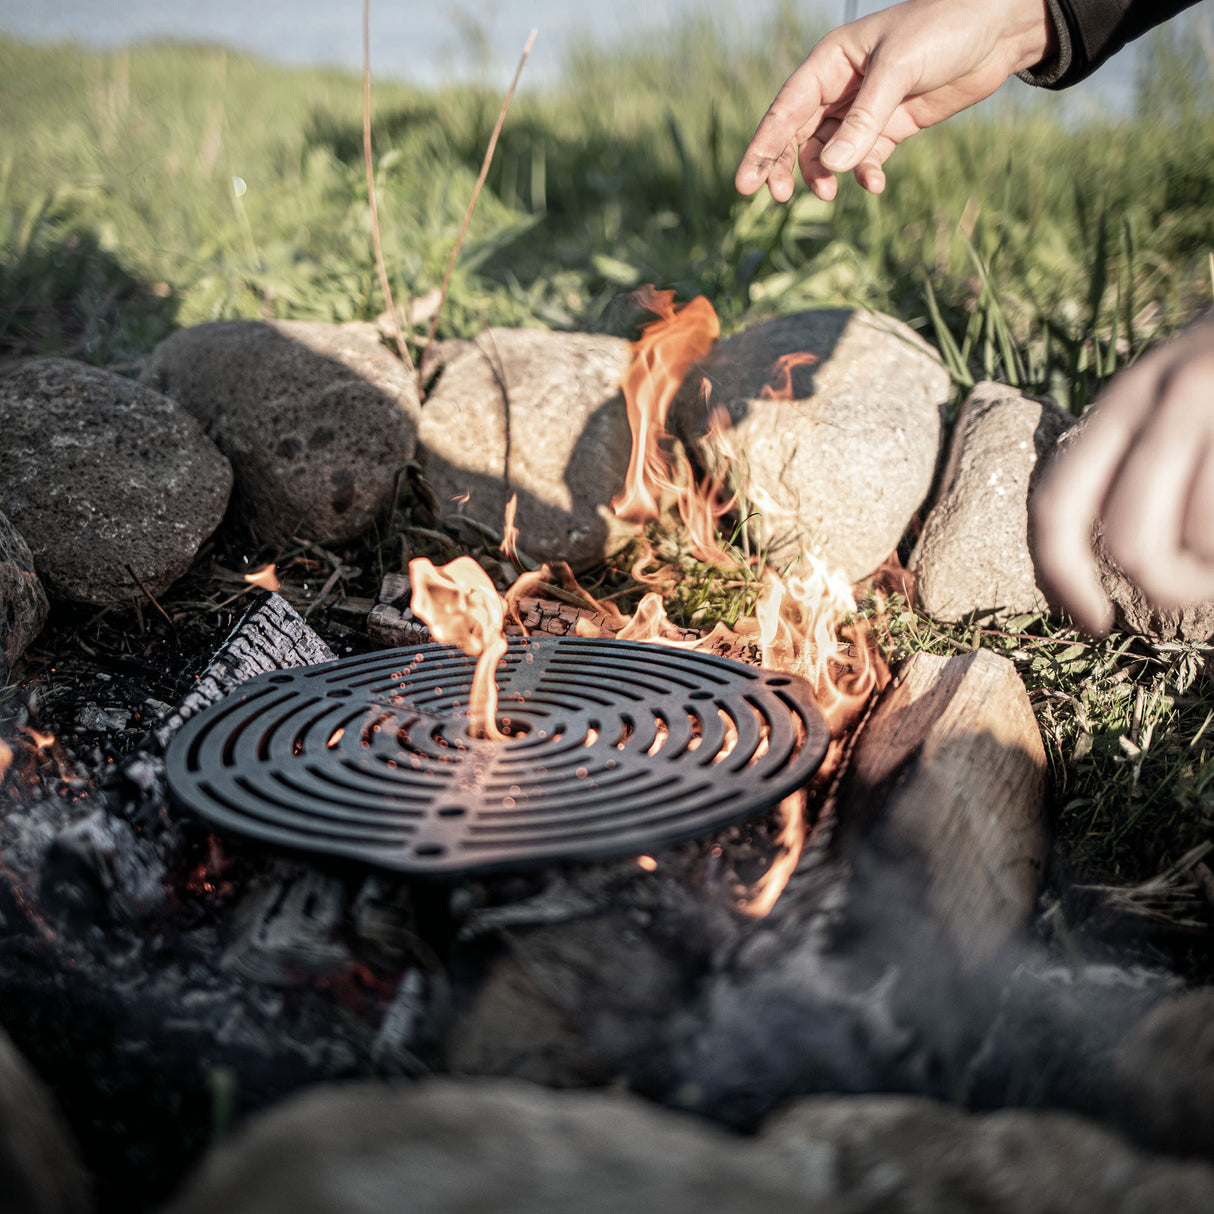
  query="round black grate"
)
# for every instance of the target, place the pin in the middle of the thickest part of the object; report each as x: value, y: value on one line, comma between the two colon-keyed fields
x: 615, y: 748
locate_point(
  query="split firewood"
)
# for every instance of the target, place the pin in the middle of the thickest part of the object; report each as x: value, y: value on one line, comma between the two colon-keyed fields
x: 948, y: 779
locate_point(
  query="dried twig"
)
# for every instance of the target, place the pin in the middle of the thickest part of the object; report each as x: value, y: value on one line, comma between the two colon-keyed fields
x: 476, y: 193
x: 151, y: 599
x: 371, y: 196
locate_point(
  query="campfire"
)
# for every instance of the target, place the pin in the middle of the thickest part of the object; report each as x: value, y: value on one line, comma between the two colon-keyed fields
x: 533, y: 836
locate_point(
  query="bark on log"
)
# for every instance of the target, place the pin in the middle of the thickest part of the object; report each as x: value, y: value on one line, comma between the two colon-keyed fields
x: 948, y: 779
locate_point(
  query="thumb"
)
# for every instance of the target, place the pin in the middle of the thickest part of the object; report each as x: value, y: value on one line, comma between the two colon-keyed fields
x: 879, y: 95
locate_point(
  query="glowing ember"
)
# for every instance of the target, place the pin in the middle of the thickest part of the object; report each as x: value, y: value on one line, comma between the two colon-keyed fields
x: 266, y: 577
x: 43, y: 741
x: 648, y: 863
x: 6, y: 757
x: 462, y: 607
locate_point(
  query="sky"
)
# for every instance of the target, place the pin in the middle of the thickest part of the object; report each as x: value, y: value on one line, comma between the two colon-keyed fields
x: 423, y: 41
x: 411, y: 39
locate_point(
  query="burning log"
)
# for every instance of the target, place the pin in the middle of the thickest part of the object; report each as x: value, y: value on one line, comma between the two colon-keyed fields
x: 948, y: 777
x: 877, y: 968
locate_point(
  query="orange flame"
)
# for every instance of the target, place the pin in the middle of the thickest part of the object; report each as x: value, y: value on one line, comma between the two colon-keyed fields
x: 266, y: 577
x: 509, y: 530
x: 6, y: 757
x: 462, y: 607
x: 780, y: 387
x: 662, y: 357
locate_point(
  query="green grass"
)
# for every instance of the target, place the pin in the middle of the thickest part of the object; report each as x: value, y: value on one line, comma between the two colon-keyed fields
x: 167, y: 185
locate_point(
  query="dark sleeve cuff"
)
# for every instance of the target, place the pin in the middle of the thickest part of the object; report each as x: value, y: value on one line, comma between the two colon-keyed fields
x: 1090, y: 31
x: 1051, y: 73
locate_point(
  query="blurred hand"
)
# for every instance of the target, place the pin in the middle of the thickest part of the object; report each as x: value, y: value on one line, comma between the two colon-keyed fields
x: 875, y: 82
x: 1144, y: 466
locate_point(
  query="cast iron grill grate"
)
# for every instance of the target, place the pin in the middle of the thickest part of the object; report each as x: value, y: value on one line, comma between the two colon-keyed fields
x: 615, y: 748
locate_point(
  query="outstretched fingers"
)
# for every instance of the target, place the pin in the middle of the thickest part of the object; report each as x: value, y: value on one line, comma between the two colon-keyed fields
x: 882, y: 90
x: 1065, y: 509
x: 772, y: 153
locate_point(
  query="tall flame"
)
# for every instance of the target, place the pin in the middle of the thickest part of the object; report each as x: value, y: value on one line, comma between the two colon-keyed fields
x: 799, y: 620
x: 462, y: 607
x: 661, y: 358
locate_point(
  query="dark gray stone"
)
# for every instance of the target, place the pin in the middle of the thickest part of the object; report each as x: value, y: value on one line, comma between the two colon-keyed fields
x: 973, y: 554
x: 842, y: 466
x: 317, y: 419
x: 40, y: 1171
x: 540, y: 415
x: 110, y: 483
x: 23, y: 605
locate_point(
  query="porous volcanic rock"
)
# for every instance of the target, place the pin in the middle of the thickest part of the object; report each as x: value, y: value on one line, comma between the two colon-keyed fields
x: 443, y: 1147
x: 40, y: 1170
x: 23, y: 605
x: 973, y: 554
x: 841, y: 467
x: 317, y: 419
x: 113, y: 485
x: 540, y: 415
x: 1165, y: 1065
x: 1134, y: 611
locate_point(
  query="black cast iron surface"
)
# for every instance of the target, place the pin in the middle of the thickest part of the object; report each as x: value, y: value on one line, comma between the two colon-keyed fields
x: 615, y: 748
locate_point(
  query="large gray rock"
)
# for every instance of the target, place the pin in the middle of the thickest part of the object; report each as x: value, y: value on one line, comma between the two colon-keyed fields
x: 842, y: 466
x: 1166, y: 1067
x: 973, y: 554
x: 445, y: 1147
x: 317, y: 419
x: 506, y: 1146
x: 23, y: 605
x: 40, y: 1171
x: 103, y: 476
x: 540, y: 415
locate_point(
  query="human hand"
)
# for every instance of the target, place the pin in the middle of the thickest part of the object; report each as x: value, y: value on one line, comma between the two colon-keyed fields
x: 871, y: 84
x: 1143, y: 465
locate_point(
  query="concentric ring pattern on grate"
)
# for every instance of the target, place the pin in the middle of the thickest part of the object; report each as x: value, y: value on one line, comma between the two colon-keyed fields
x: 615, y: 748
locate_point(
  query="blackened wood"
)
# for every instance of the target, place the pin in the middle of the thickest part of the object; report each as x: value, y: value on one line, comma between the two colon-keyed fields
x: 271, y: 635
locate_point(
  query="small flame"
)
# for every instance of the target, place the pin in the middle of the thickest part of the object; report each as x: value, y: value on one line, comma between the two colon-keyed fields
x: 648, y: 863
x: 6, y: 757
x: 780, y: 387
x: 43, y: 741
x: 766, y: 892
x: 509, y: 530
x: 266, y: 577
x: 462, y: 607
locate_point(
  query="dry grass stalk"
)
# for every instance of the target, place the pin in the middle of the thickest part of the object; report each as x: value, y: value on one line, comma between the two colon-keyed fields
x: 476, y: 193
x: 371, y: 196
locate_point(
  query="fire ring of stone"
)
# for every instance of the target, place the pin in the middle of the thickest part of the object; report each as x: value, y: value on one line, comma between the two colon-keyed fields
x: 614, y: 748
